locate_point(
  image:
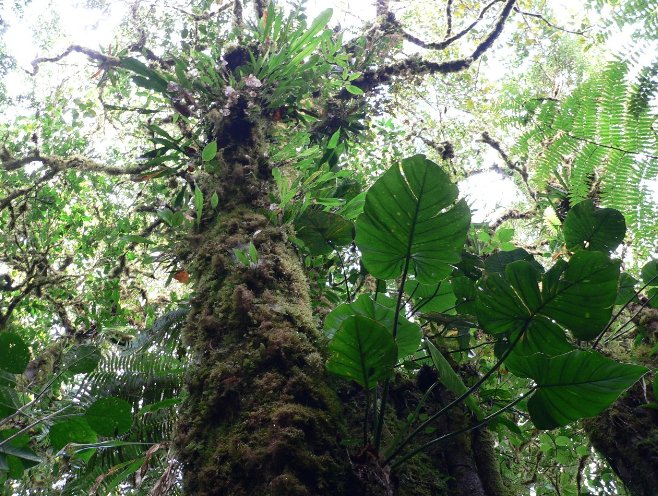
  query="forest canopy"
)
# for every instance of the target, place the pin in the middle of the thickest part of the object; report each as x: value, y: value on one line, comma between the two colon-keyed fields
x: 306, y: 248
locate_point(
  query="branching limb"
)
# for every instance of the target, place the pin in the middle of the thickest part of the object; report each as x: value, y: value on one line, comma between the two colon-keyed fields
x: 549, y: 23
x: 449, y: 40
x: 448, y: 19
x: 515, y: 167
x: 511, y: 215
x: 83, y: 164
x: 417, y: 66
x: 106, y: 61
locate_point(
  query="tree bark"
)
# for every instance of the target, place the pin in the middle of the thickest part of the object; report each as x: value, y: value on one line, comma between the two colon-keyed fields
x: 261, y: 417
x: 626, y: 434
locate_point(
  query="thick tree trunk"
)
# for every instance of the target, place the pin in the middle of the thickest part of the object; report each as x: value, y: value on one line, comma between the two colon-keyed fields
x: 261, y: 417
x: 626, y: 434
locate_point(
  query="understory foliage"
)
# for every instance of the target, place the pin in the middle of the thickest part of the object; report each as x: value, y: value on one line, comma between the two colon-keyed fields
x: 244, y: 187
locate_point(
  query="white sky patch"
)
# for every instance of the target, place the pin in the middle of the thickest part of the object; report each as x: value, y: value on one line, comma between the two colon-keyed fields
x: 489, y: 195
x: 75, y: 23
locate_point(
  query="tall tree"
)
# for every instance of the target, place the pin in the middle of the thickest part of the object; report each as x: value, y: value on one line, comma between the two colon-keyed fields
x: 250, y: 130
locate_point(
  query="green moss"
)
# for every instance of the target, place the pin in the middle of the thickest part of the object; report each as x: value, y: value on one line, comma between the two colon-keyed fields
x: 420, y: 477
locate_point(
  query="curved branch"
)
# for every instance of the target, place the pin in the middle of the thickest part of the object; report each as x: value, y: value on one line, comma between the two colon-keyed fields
x: 449, y: 40
x: 417, y: 66
x: 486, y: 138
x: 83, y: 164
x: 105, y: 60
x: 549, y: 23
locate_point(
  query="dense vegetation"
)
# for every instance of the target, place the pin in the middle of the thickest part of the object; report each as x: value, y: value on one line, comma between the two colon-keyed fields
x: 235, y: 258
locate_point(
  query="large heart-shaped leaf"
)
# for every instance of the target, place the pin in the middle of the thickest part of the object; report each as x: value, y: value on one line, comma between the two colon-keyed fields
x: 591, y: 228
x: 650, y: 273
x: 9, y: 401
x: 541, y: 336
x: 576, y: 385
x: 109, y: 416
x: 322, y: 231
x: 14, y: 353
x: 499, y: 260
x: 73, y: 430
x: 432, y: 297
x: 363, y: 351
x: 410, y: 220
x: 382, y: 311
x: 16, y: 455
x: 578, y: 295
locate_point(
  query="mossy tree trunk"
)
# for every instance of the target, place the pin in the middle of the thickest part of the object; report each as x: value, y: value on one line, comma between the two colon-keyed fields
x: 626, y: 434
x: 261, y: 416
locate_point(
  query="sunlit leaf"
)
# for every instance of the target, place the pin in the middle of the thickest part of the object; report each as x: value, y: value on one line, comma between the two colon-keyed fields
x: 363, y: 351
x: 411, y: 219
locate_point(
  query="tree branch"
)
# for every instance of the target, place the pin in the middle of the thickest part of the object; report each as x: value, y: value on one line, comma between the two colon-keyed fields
x: 448, y: 40
x: 486, y: 138
x: 510, y: 215
x: 105, y: 60
x: 448, y: 19
x: 75, y: 162
x: 415, y: 65
x: 549, y: 23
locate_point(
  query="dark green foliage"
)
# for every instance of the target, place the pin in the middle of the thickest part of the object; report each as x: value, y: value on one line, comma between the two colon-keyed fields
x: 404, y: 227
x: 362, y: 350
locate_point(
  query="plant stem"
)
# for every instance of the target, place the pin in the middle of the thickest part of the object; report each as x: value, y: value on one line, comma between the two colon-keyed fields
x: 382, y: 407
x: 630, y: 320
x: 365, y: 418
x: 616, y: 316
x: 484, y: 421
x: 459, y: 399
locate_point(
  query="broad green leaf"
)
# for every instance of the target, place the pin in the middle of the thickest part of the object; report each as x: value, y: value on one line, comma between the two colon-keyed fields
x: 650, y: 273
x: 498, y: 261
x: 505, y: 235
x: 576, y: 385
x: 626, y: 291
x: 585, y: 294
x: 209, y: 151
x: 322, y: 231
x: 119, y: 473
x: 160, y: 405
x: 450, y: 379
x: 591, y: 228
x: 73, y: 430
x: 214, y: 200
x: 578, y: 295
x: 383, y: 312
x: 355, y: 90
x: 410, y: 218
x: 431, y: 297
x: 16, y: 455
x: 150, y: 84
x: 198, y: 204
x: 541, y: 336
x: 317, y: 25
x: 363, y: 351
x: 82, y: 359
x: 465, y: 295
x: 109, y: 416
x: 142, y: 69
x: 14, y: 353
x: 333, y: 141
x: 9, y: 401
